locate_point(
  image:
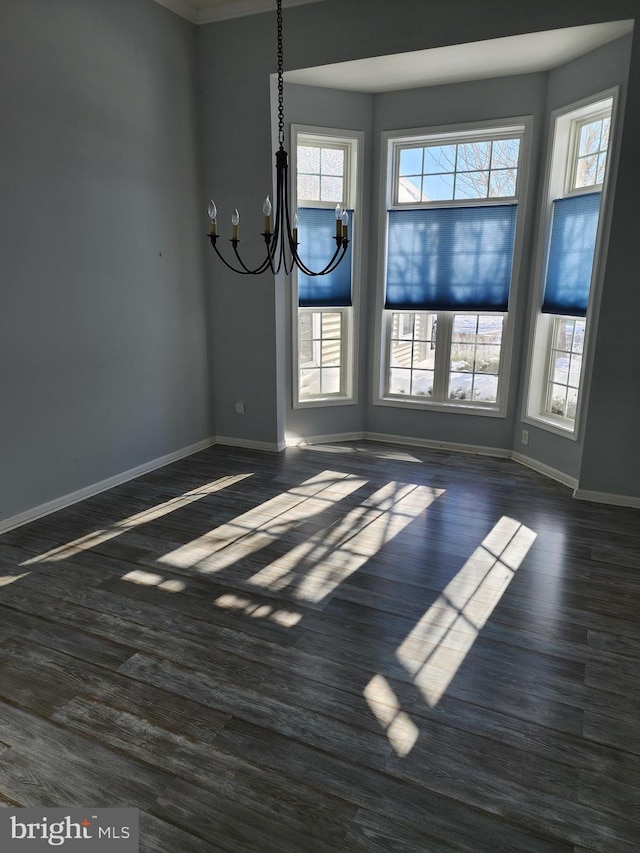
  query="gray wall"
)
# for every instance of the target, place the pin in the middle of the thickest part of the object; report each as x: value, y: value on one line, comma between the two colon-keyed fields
x: 236, y: 121
x: 103, y: 361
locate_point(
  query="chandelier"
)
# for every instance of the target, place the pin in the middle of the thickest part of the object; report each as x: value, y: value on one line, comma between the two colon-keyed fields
x: 280, y: 236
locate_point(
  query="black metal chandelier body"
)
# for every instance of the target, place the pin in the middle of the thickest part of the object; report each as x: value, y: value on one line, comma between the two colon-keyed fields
x: 281, y: 240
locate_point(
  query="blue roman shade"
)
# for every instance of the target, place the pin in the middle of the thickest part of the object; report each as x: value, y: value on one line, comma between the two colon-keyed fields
x: 316, y: 238
x: 453, y: 258
x: 574, y: 228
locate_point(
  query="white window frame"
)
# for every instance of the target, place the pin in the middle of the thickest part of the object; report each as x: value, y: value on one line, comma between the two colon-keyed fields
x: 392, y: 143
x: 352, y: 142
x: 561, y: 159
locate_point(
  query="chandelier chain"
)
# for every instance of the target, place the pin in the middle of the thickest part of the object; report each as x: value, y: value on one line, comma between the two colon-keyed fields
x: 280, y: 79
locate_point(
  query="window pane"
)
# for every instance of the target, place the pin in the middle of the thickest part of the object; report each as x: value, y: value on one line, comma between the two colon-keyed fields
x: 411, y: 161
x: 422, y: 383
x: 331, y: 353
x: 463, y: 357
x: 308, y: 158
x: 439, y: 158
x: 490, y: 328
x: 460, y: 386
x: 474, y: 155
x: 465, y: 327
x: 589, y: 138
x: 558, y: 400
x: 606, y: 126
x: 575, y: 367
x: 330, y: 379
x: 309, y: 383
x: 485, y: 388
x: 437, y: 188
x: 331, y: 189
x: 587, y: 170
x: 487, y: 359
x: 332, y: 161
x: 401, y: 353
x: 472, y: 185
x: 308, y: 187
x: 331, y: 322
x: 561, y: 369
x: 409, y: 189
x: 602, y: 163
x: 504, y: 154
x: 399, y: 381
x: 424, y: 355
x: 502, y: 183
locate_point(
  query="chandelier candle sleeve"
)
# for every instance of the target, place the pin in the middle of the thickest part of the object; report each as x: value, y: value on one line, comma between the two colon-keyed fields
x: 213, y: 214
x: 266, y: 210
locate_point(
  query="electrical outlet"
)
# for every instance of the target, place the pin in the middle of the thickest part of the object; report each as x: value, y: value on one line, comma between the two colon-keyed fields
x: 525, y: 436
x: 241, y: 407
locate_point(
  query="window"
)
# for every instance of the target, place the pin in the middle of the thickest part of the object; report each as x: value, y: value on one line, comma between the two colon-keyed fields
x: 326, y: 166
x: 576, y: 175
x: 450, y: 242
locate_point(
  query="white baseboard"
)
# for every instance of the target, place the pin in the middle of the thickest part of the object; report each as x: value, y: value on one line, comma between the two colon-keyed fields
x: 250, y: 444
x: 324, y: 439
x: 607, y: 498
x: 547, y: 470
x: 103, y: 486
x: 431, y: 444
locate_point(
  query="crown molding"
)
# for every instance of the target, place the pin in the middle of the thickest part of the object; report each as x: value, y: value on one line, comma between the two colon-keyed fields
x: 224, y: 10
x: 182, y: 8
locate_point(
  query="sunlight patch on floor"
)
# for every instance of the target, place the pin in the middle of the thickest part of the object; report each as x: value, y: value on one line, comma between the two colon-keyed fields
x: 439, y: 643
x: 262, y: 526
x: 244, y: 605
x: 5, y: 580
x: 98, y: 537
x: 317, y: 566
x: 143, y: 578
x: 399, y: 727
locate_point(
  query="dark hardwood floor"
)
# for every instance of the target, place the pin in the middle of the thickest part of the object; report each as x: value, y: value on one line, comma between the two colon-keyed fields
x: 351, y: 647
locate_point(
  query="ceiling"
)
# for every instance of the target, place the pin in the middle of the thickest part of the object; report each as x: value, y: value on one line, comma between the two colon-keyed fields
x: 521, y: 54
x: 500, y: 57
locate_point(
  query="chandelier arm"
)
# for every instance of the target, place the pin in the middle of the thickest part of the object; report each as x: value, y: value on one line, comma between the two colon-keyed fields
x: 329, y: 267
x: 262, y: 267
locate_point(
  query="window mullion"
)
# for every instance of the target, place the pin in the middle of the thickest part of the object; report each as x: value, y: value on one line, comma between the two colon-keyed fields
x: 443, y: 356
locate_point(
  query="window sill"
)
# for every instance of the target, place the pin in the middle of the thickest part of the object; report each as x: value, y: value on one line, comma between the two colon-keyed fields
x: 552, y: 425
x: 490, y: 411
x: 316, y: 402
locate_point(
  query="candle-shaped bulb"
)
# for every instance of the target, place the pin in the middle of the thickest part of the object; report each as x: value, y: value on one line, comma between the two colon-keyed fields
x: 295, y: 221
x: 345, y: 225
x: 295, y: 228
x: 338, y: 211
x: 212, y: 210
x: 338, y: 222
x: 266, y: 209
x: 235, y: 219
